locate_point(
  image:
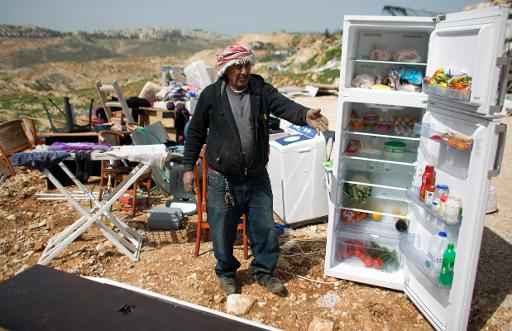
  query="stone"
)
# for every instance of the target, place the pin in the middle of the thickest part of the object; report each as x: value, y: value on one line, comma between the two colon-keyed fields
x: 328, y: 300
x: 11, y: 218
x: 218, y: 298
x: 239, y: 304
x: 319, y: 324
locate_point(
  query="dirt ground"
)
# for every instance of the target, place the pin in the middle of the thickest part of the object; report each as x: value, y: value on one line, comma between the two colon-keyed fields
x: 167, y: 265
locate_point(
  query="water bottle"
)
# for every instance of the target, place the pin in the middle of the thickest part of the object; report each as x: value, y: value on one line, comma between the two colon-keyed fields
x: 438, y: 244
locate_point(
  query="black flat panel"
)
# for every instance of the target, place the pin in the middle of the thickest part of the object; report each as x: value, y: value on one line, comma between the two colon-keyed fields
x: 42, y: 298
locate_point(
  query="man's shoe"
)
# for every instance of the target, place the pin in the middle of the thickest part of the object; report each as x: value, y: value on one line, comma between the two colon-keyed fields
x: 273, y: 284
x: 229, y: 285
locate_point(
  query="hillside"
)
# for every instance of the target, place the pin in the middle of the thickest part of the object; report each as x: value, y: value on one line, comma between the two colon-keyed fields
x: 33, y: 68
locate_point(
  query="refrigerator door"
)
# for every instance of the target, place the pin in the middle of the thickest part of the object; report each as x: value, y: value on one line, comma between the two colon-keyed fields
x: 466, y: 167
x: 471, y: 42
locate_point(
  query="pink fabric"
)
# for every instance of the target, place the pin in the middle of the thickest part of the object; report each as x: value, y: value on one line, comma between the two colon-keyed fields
x: 234, y: 54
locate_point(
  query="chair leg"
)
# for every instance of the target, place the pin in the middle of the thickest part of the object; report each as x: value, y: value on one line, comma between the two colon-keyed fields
x: 148, y: 189
x: 244, y: 237
x: 134, y: 198
x: 198, y: 232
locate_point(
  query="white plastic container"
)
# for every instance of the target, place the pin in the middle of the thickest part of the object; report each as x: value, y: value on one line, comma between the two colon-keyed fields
x: 438, y: 244
x: 452, y: 210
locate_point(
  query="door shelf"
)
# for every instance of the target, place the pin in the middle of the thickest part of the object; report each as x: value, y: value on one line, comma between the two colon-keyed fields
x: 384, y: 206
x: 413, y: 196
x: 372, y: 133
x: 407, y: 158
x: 390, y: 62
x: 416, y: 262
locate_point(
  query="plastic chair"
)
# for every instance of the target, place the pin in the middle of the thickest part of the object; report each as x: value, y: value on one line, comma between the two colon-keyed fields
x: 201, y: 197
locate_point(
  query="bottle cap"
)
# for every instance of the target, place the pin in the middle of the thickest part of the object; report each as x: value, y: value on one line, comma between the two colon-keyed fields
x: 442, y: 186
x: 442, y: 234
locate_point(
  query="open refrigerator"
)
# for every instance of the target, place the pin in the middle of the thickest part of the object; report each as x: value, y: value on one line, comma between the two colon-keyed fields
x: 390, y: 223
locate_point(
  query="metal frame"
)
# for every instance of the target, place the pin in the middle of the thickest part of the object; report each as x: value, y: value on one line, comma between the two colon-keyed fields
x: 125, y: 239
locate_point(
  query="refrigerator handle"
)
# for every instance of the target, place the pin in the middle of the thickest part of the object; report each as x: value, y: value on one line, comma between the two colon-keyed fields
x: 501, y: 130
x: 504, y: 64
x: 331, y: 180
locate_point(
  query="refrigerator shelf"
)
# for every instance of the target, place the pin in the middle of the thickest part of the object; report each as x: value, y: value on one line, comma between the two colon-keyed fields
x: 390, y: 62
x: 408, y: 158
x: 386, y: 207
x: 380, y: 135
x: 415, y: 261
x: 375, y: 185
x: 369, y: 229
x: 413, y: 197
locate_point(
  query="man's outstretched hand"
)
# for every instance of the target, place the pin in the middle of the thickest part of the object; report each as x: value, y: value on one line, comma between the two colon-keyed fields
x: 188, y: 178
x: 316, y: 120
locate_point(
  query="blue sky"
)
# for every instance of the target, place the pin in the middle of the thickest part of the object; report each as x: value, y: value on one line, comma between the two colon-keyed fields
x: 230, y: 17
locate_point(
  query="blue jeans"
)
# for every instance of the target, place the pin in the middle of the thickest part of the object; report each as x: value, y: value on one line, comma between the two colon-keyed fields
x: 253, y: 196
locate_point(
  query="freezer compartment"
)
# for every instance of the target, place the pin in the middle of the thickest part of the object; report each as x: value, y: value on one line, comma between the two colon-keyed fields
x: 419, y: 265
x: 388, y: 60
x: 365, y: 251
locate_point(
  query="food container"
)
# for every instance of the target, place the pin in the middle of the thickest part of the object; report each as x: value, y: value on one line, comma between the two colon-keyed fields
x: 394, y: 150
x: 357, y: 123
x: 384, y: 127
x: 370, y: 120
x: 459, y: 143
x: 453, y: 210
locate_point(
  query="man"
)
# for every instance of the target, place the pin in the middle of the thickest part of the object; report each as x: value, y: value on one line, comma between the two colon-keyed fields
x: 231, y: 117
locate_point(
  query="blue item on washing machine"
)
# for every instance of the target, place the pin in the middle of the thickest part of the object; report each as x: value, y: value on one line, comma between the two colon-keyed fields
x: 291, y: 139
x: 303, y: 130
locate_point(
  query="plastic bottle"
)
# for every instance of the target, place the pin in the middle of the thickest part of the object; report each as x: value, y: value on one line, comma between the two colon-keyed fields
x: 428, y: 179
x: 437, y: 246
x: 446, y: 273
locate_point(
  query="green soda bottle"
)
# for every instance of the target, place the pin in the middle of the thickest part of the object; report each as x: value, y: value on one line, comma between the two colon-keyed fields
x: 446, y: 274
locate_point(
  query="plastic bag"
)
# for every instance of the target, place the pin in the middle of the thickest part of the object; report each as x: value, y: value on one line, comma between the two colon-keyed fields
x: 411, y: 76
x: 363, y: 81
x: 380, y: 54
x: 407, y: 55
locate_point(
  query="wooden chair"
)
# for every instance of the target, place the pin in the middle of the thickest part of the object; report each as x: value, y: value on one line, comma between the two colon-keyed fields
x: 104, y: 91
x: 114, y: 171
x: 201, y: 197
x: 15, y: 136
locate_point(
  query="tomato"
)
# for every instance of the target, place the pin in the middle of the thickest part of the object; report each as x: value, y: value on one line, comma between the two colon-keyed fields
x: 378, y: 263
x: 368, y: 261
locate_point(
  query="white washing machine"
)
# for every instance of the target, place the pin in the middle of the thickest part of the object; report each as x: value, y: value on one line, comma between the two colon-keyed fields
x: 297, y: 175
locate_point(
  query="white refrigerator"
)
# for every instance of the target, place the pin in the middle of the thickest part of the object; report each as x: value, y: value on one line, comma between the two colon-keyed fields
x: 382, y: 231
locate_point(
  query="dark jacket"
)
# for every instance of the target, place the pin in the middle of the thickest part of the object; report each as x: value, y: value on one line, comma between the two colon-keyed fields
x: 213, y: 123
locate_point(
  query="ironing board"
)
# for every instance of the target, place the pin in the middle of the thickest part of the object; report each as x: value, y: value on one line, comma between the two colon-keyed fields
x: 124, y: 238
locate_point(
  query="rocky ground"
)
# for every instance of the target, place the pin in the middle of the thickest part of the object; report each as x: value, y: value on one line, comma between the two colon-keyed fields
x: 167, y: 266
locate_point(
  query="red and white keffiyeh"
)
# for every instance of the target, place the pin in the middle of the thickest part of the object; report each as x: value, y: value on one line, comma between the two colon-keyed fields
x: 234, y: 54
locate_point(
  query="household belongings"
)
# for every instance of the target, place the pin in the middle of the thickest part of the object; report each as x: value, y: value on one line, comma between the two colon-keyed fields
x: 166, y: 218
x: 125, y: 239
x: 70, y: 117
